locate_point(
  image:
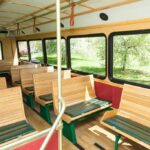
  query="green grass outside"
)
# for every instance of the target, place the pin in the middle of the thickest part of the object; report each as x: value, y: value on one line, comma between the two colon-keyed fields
x: 84, y: 65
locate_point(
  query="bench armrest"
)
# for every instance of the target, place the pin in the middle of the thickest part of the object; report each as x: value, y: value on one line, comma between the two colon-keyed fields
x: 109, y: 114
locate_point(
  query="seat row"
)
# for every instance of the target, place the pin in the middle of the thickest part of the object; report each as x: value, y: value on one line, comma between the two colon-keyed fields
x: 39, y: 85
x: 78, y: 93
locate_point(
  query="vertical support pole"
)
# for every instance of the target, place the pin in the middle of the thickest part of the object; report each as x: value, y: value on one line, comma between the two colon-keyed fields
x: 118, y: 136
x: 59, y: 69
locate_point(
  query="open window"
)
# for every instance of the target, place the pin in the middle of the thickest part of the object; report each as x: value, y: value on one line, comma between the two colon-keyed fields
x: 130, y: 57
x: 23, y: 50
x: 36, y: 51
x: 51, y: 51
x: 88, y: 54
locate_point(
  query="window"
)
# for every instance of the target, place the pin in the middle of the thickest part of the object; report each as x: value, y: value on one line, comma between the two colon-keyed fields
x: 36, y: 51
x: 1, y: 51
x: 23, y: 50
x: 131, y: 57
x: 51, y: 50
x: 88, y: 54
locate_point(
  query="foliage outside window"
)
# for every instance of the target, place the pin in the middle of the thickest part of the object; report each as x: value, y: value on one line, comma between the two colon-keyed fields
x: 1, y: 54
x: 131, y: 58
x: 23, y: 50
x: 36, y: 51
x: 51, y: 50
x: 88, y: 54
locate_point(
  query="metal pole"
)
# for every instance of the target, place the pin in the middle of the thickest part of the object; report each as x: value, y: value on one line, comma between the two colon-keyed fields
x: 59, y: 69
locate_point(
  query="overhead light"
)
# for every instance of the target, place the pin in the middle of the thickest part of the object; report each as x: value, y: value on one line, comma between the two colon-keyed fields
x: 103, y: 16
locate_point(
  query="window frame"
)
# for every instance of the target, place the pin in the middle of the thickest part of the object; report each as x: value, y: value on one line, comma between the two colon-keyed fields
x: 86, y: 36
x: 18, y: 49
x: 1, y: 43
x: 30, y: 40
x: 110, y: 56
x: 55, y: 38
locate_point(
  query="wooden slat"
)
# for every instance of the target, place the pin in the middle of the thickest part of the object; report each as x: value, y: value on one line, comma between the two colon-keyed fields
x: 136, y: 101
x: 11, y: 106
x: 27, y: 75
x: 15, y: 71
x: 83, y: 90
x: 5, y: 65
x: 3, y: 84
x: 135, y: 104
x: 43, y: 83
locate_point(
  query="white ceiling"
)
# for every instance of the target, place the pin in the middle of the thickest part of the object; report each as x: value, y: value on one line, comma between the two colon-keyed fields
x: 12, y: 10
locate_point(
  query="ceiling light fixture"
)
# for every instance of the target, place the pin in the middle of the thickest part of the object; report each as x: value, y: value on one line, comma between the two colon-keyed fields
x: 103, y: 16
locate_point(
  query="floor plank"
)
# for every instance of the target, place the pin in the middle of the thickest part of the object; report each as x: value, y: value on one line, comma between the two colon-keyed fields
x: 39, y: 124
x: 88, y: 133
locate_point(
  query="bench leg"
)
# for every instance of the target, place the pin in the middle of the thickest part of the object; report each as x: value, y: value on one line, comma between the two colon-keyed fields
x: 69, y: 131
x: 30, y: 101
x: 45, y: 113
x: 118, y: 136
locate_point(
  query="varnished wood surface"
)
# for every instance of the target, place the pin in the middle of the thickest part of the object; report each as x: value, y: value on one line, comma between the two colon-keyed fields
x: 74, y: 90
x: 15, y: 70
x: 135, y: 104
x: 3, y: 84
x: 11, y: 106
x: 88, y: 132
x: 39, y: 124
x: 43, y: 84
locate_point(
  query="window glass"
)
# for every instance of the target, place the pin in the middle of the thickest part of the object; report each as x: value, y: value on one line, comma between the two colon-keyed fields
x: 131, y: 58
x: 23, y: 50
x: 1, y: 54
x: 51, y: 49
x: 36, y: 51
x: 88, y: 54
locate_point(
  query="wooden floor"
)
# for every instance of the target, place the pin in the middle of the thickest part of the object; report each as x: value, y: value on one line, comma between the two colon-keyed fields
x: 88, y: 133
x: 39, y: 124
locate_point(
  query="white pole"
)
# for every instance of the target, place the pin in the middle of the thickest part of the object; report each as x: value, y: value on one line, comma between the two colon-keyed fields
x: 59, y: 68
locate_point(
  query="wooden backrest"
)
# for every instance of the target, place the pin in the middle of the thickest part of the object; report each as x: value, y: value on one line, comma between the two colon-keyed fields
x: 135, y: 104
x: 27, y: 74
x: 15, y: 71
x: 11, y: 106
x: 43, y: 81
x: 74, y: 90
x: 6, y: 64
x: 3, y: 84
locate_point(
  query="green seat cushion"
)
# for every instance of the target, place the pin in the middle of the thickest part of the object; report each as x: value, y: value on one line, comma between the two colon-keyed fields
x: 85, y: 107
x: 46, y: 97
x: 99, y: 102
x: 130, y: 127
x: 30, y: 88
x: 18, y: 82
x: 15, y: 130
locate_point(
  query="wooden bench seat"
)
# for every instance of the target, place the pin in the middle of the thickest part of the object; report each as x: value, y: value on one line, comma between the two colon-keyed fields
x: 27, y: 81
x: 43, y: 91
x: 15, y: 130
x: 6, y: 64
x: 3, y: 84
x: 46, y: 97
x: 15, y: 72
x: 13, y: 123
x: 81, y: 102
x: 84, y: 107
x: 132, y: 119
